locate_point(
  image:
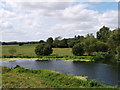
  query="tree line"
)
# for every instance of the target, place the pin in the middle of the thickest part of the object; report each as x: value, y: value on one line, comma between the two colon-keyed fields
x: 19, y: 43
x: 106, y: 44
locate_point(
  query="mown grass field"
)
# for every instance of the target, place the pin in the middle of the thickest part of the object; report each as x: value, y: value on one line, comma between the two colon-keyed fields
x: 26, y: 78
x: 28, y: 50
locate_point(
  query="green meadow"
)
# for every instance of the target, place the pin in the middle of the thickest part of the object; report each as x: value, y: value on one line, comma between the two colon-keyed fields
x: 28, y: 50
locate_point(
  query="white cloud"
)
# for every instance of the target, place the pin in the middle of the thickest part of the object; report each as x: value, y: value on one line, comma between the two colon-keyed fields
x: 40, y: 0
x: 82, y: 21
x: 110, y: 19
x: 35, y: 21
x: 94, y: 0
x: 38, y: 5
x: 78, y: 15
x: 6, y: 14
x: 62, y: 0
x: 5, y: 26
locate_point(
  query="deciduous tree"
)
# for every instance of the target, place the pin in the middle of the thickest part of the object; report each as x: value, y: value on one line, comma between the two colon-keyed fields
x: 43, y: 49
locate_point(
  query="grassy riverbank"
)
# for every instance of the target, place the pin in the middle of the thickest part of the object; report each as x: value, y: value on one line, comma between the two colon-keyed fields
x: 26, y: 78
x: 69, y: 58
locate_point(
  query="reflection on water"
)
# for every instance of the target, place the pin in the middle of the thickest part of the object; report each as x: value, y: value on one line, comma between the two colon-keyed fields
x: 107, y: 74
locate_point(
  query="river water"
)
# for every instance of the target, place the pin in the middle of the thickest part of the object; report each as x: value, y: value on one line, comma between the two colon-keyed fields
x: 106, y: 74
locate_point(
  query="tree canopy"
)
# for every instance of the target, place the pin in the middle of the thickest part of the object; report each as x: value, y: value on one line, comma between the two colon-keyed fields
x: 78, y: 49
x: 103, y: 34
x: 43, y: 49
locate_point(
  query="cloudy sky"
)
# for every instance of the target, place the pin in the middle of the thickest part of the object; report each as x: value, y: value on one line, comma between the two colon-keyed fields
x: 33, y: 21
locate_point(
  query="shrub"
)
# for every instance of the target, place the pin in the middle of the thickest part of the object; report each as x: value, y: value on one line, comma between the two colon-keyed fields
x: 78, y: 50
x: 118, y: 52
x: 17, y: 66
x: 43, y: 49
x: 20, y: 44
x: 101, y: 46
x: 105, y: 57
x: 93, y: 83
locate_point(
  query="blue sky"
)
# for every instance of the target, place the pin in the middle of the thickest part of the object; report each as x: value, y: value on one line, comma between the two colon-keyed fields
x: 33, y: 21
x: 104, y: 6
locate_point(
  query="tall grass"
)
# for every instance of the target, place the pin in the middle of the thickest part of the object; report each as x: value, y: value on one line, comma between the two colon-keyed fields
x: 19, y: 77
x: 72, y: 58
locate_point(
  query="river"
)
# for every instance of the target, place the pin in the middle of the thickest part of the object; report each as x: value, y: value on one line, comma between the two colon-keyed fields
x: 106, y: 74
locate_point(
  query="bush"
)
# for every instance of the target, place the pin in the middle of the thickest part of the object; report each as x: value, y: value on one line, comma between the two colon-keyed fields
x: 105, y: 57
x: 101, y: 46
x: 118, y: 52
x: 17, y: 66
x: 43, y: 49
x: 93, y: 83
x: 20, y: 44
x: 78, y: 50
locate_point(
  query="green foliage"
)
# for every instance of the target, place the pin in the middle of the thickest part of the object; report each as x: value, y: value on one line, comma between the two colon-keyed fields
x: 17, y: 66
x: 63, y: 43
x: 41, y: 41
x: 104, y: 57
x: 103, y: 34
x: 114, y: 44
x: 43, y: 49
x: 71, y: 43
x: 118, y: 52
x: 56, y: 41
x: 106, y: 41
x: 101, y: 46
x: 78, y: 50
x: 20, y: 44
x: 114, y: 40
x: 94, y: 83
x: 50, y: 41
x: 89, y: 44
x: 73, y: 58
x: 17, y: 56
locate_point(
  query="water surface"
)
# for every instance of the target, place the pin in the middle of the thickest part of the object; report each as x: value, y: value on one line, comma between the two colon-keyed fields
x: 107, y: 74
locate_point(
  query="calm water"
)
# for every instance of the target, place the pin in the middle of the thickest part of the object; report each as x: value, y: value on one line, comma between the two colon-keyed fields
x: 107, y: 74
